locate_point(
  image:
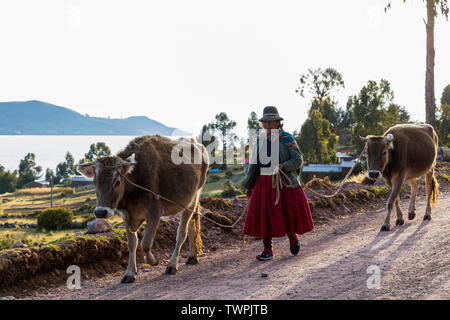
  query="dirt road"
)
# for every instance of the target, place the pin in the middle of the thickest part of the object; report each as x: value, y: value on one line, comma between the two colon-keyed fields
x: 414, y: 262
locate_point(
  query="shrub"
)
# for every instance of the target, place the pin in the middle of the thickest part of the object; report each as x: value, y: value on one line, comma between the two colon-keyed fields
x: 34, y: 214
x: 55, y: 219
x: 6, y: 243
x: 86, y: 220
x: 84, y: 209
x: 228, y: 173
x: 67, y: 192
x: 229, y: 190
x: 216, y: 195
x: 213, y: 177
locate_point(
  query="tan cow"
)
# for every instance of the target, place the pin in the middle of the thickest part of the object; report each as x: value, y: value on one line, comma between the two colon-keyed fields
x: 148, y: 161
x: 404, y: 152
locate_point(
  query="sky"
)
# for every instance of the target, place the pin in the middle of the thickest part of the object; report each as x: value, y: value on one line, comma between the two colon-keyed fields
x: 182, y: 62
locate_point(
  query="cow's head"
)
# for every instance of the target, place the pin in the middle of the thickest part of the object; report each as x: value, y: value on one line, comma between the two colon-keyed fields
x: 378, y: 148
x: 108, y: 180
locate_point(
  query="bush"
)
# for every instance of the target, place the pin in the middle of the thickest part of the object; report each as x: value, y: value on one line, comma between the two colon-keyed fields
x: 84, y: 209
x: 229, y: 190
x: 228, y: 173
x: 213, y: 177
x: 67, y: 192
x: 5, y: 243
x: 55, y: 219
x: 85, y: 221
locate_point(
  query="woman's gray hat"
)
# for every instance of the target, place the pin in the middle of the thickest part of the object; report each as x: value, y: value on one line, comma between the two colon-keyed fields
x: 270, y: 113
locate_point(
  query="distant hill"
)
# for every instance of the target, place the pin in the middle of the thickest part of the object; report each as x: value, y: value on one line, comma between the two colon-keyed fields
x: 40, y: 118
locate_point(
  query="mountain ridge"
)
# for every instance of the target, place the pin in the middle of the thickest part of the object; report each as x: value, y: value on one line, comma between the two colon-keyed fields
x: 36, y: 117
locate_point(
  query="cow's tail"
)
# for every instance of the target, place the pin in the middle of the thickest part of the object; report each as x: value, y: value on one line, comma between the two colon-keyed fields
x: 197, y: 226
x: 434, y: 191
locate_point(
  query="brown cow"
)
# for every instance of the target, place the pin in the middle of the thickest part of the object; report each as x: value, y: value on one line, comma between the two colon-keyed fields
x: 148, y: 161
x: 404, y: 152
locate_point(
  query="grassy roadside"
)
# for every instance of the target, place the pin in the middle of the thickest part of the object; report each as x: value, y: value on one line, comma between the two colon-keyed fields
x: 22, y: 207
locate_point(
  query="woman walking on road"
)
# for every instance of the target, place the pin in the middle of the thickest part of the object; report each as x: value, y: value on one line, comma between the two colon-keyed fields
x: 268, y: 218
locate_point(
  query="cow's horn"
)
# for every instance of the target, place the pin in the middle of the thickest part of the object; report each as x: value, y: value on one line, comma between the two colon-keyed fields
x: 363, y: 138
x: 86, y: 164
x: 389, y: 137
x: 130, y: 159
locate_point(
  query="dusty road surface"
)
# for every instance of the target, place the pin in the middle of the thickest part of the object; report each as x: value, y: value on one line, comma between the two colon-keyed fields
x: 414, y: 263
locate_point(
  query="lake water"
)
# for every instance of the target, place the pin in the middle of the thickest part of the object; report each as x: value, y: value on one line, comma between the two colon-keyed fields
x: 50, y: 150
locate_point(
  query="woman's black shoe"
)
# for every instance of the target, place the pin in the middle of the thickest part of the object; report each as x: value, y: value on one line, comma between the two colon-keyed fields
x: 295, y: 248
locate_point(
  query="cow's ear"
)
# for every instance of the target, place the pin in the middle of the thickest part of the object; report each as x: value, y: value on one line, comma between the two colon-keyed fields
x: 87, y: 169
x: 130, y: 163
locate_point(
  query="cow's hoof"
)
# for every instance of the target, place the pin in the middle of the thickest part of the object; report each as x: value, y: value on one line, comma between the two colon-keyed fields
x: 399, y: 222
x: 128, y: 279
x: 411, y: 215
x: 155, y: 262
x: 427, y: 217
x: 385, y: 228
x: 152, y: 260
x: 192, y: 260
x: 171, y: 270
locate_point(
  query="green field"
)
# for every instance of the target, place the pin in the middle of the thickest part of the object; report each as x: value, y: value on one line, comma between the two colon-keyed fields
x: 23, y: 206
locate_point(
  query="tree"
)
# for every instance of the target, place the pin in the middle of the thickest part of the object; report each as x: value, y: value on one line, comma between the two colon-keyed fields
x: 207, y: 139
x: 367, y: 106
x: 253, y: 123
x: 443, y: 122
x: 394, y: 114
x: 68, y: 167
x: 201, y: 136
x: 70, y: 161
x: 8, y: 180
x: 98, y: 149
x: 445, y: 98
x: 62, y: 172
x: 320, y: 83
x: 49, y: 175
x: 434, y: 7
x: 28, y: 170
x: 444, y: 125
x: 316, y: 140
x: 345, y: 123
x: 225, y: 127
x: 328, y: 111
x: 374, y: 112
x: 346, y: 119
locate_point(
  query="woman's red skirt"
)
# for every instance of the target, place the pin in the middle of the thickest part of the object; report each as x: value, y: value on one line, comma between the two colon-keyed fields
x: 265, y: 219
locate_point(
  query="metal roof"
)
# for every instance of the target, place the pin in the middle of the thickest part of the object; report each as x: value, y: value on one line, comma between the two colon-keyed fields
x: 80, y: 178
x: 335, y: 167
x: 343, y: 155
x: 347, y: 164
x: 40, y: 181
x: 315, y: 167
